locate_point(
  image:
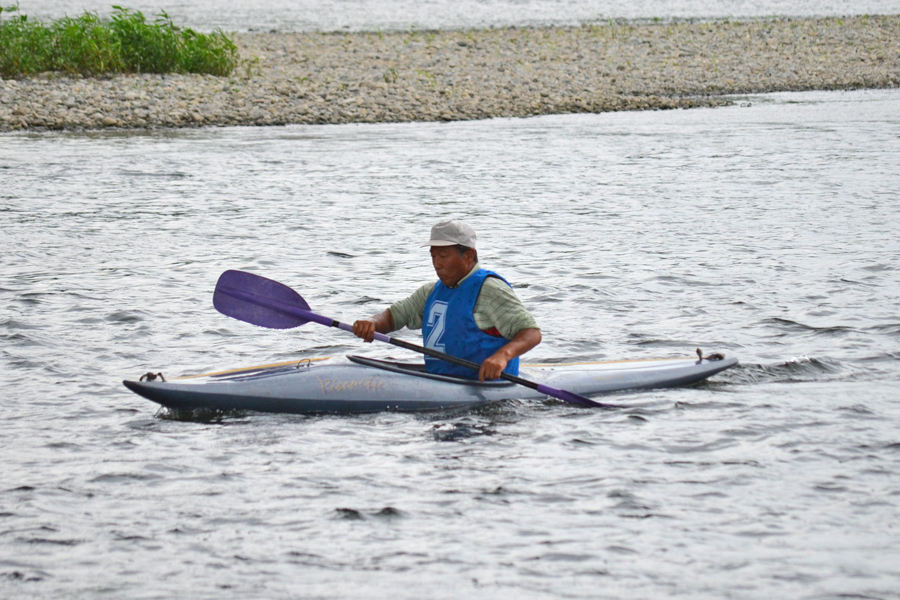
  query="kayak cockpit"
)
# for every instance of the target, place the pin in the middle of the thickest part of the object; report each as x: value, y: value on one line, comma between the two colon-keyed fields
x: 418, y: 370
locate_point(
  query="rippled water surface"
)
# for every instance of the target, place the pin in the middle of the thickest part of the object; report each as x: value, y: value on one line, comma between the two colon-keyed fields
x: 766, y: 230
x: 337, y: 15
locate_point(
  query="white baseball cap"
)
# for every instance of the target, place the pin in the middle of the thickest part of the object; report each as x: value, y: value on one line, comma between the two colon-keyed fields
x: 451, y: 233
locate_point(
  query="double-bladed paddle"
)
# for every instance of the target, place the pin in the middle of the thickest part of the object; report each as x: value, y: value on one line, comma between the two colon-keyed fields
x: 267, y: 303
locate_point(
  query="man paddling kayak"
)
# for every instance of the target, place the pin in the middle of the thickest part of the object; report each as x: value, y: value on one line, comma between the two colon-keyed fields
x: 469, y: 312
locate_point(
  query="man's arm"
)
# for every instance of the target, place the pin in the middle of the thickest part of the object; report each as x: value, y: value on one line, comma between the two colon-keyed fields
x: 405, y: 313
x: 498, y: 306
x: 493, y: 365
x: 383, y: 322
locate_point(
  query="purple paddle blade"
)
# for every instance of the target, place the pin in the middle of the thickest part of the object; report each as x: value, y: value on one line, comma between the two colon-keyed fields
x: 257, y: 300
x: 572, y: 397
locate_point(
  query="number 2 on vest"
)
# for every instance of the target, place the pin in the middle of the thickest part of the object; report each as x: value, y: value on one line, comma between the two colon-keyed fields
x: 437, y: 323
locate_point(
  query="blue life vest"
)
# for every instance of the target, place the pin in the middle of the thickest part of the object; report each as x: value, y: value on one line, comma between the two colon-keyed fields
x: 449, y: 327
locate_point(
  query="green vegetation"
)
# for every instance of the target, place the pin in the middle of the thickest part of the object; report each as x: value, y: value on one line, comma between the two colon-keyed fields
x: 126, y: 43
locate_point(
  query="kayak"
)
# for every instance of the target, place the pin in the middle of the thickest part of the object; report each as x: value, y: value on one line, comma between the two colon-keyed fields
x: 364, y: 385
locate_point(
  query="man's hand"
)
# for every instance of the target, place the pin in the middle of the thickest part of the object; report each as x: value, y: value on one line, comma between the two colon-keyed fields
x: 365, y: 329
x: 492, y: 366
x: 383, y: 322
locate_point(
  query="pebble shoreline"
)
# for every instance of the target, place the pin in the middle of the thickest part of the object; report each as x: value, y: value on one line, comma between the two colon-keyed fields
x: 288, y: 78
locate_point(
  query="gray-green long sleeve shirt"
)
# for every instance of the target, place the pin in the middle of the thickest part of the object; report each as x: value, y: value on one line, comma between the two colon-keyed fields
x: 497, y: 306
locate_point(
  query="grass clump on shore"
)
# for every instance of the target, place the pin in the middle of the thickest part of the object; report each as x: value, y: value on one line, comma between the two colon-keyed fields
x: 126, y: 43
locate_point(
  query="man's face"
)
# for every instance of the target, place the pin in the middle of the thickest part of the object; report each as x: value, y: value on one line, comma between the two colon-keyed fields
x: 449, y: 265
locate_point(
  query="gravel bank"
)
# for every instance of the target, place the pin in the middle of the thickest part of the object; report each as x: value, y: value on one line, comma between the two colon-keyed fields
x: 452, y: 75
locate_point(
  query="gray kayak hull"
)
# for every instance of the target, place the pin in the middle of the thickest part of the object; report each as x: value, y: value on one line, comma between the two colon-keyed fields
x: 363, y: 385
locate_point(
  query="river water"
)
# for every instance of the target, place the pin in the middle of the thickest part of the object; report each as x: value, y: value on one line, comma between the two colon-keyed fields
x: 369, y: 15
x: 765, y: 230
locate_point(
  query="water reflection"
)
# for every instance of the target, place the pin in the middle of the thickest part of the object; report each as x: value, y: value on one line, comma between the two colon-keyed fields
x: 764, y: 231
